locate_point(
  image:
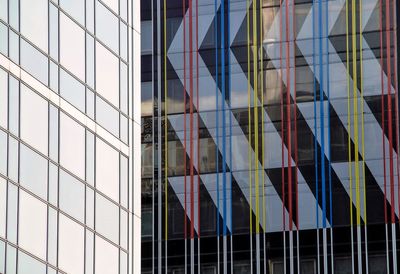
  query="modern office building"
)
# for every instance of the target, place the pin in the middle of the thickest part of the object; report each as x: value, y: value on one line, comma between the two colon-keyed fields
x: 270, y: 136
x: 69, y: 136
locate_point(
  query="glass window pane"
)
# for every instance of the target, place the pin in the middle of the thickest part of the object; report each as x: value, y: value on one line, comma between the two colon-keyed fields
x: 107, y: 116
x: 32, y: 225
x: 124, y: 88
x: 53, y: 76
x: 123, y: 51
x: 90, y: 15
x: 146, y: 97
x: 12, y: 200
x: 146, y: 37
x: 90, y: 158
x: 13, y: 105
x: 89, y: 252
x: 3, y: 38
x: 107, y: 74
x: 72, y: 196
x: 3, y: 156
x: 72, y: 146
x: 3, y: 98
x: 72, y: 46
x: 11, y: 264
x: 53, y: 128
x: 3, y: 208
x: 52, y: 237
x: 53, y: 32
x: 76, y: 8
x: 113, y: 4
x: 107, y: 218
x: 72, y: 90
x: 90, y: 60
x: 14, y: 47
x: 107, y: 27
x: 34, y: 21
x: 28, y: 265
x: 123, y: 259
x: 13, y: 159
x: 106, y: 258
x: 89, y: 207
x: 34, y: 119
x: 124, y: 181
x: 124, y: 229
x: 53, y: 184
x: 33, y: 172
x: 71, y: 246
x: 3, y: 10
x: 34, y: 62
x: 107, y: 170
x: 2, y: 255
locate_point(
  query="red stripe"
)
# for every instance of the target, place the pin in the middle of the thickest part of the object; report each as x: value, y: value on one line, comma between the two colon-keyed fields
x: 191, y: 119
x: 295, y: 116
x: 198, y: 118
x: 184, y: 110
x: 288, y: 122
x: 282, y: 124
x: 382, y: 111
x: 397, y: 100
x: 388, y: 62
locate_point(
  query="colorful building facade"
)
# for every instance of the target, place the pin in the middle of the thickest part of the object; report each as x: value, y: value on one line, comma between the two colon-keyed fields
x: 270, y: 136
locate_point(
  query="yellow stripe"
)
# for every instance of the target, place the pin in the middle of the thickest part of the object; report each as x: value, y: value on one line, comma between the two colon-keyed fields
x: 255, y: 99
x: 362, y: 113
x: 349, y: 113
x: 262, y: 113
x: 249, y: 112
x: 165, y: 120
x: 355, y: 106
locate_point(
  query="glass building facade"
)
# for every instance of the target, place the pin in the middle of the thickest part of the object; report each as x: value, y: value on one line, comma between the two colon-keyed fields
x: 270, y: 136
x: 69, y: 136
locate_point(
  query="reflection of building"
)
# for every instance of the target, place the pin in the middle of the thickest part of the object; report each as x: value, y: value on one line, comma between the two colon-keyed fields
x: 68, y: 177
x: 267, y: 120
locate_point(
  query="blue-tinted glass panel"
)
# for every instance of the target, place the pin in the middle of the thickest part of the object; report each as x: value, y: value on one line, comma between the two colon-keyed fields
x: 33, y: 172
x: 72, y: 196
x: 107, y: 27
x: 12, y: 209
x: 29, y: 265
x: 76, y: 8
x: 72, y: 90
x: 34, y: 62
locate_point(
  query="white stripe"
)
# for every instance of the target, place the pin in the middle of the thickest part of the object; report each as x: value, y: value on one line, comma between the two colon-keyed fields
x: 359, y: 251
x: 352, y: 248
x: 251, y: 253
x: 284, y: 250
x: 387, y: 248
x: 318, y: 259
x: 394, y: 249
x: 258, y: 252
x: 291, y: 263
x: 192, y: 255
x: 325, y: 250
x: 366, y: 250
x: 225, y: 255
x: 298, y: 251
x: 332, y: 257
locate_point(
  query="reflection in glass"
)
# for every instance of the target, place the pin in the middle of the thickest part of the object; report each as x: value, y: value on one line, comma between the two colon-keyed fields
x: 34, y: 119
x: 107, y: 27
x: 33, y: 172
x: 107, y: 170
x: 70, y: 246
x: 34, y: 62
x: 71, y: 196
x: 72, y: 46
x: 72, y: 145
x: 107, y: 218
x: 32, y: 225
x: 107, y: 74
x: 106, y: 257
x: 34, y: 21
x: 72, y: 90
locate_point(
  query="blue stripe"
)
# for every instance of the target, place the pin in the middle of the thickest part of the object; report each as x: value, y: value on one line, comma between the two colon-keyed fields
x: 230, y: 102
x: 223, y: 113
x: 321, y: 118
x: 329, y: 114
x: 216, y: 106
x: 315, y: 119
